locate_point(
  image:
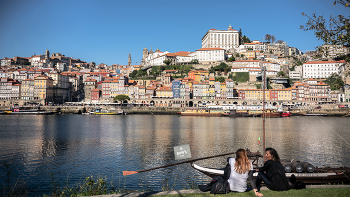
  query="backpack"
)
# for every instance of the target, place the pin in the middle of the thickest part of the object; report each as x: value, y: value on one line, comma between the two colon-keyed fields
x: 219, y: 186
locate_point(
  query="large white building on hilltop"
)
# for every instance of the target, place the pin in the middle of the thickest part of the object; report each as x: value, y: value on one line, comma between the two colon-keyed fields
x: 225, y: 39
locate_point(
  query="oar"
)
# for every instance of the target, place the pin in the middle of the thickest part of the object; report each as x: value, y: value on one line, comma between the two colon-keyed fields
x: 125, y: 173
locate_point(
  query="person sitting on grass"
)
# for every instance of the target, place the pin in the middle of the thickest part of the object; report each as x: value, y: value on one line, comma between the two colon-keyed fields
x: 241, y: 170
x: 275, y: 177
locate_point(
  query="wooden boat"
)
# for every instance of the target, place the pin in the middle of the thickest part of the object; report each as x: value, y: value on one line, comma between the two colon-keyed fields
x: 286, y: 114
x: 202, y: 112
x: 309, y: 114
x: 325, y: 175
x: 273, y: 114
x: 100, y: 111
x: 240, y: 113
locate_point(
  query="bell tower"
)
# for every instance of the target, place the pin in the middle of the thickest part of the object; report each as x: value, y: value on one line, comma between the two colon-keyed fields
x: 129, y: 60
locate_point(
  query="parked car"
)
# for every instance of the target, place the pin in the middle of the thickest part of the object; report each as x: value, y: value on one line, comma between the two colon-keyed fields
x: 318, y: 107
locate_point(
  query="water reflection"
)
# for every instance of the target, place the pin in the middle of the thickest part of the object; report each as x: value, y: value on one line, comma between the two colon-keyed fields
x: 75, y: 146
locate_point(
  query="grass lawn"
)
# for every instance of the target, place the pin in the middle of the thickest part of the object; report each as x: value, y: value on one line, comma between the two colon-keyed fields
x: 293, y: 192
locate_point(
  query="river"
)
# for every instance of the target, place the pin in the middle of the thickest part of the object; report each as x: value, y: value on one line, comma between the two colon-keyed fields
x: 68, y: 148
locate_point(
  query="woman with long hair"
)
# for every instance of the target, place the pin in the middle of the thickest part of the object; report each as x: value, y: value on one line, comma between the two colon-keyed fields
x: 241, y: 170
x: 275, y: 177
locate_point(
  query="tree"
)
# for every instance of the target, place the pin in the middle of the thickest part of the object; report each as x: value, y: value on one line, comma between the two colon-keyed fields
x: 231, y: 59
x: 122, y: 98
x: 245, y: 39
x: 273, y: 38
x: 220, y: 79
x: 194, y: 61
x: 240, y: 36
x: 268, y: 38
x: 281, y: 74
x: 335, y: 81
x: 336, y: 32
x: 167, y: 62
x: 133, y: 74
x: 280, y: 41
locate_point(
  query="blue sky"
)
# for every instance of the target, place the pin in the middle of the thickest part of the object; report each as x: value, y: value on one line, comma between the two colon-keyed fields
x: 106, y: 31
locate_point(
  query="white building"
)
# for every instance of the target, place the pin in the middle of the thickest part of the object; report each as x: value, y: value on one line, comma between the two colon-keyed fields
x: 297, y: 73
x: 210, y: 55
x: 225, y: 39
x: 244, y: 69
x: 255, y: 45
x: 272, y: 66
x: 245, y: 63
x: 322, y: 69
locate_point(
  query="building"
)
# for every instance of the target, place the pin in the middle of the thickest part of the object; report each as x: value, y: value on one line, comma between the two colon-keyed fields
x: 27, y: 89
x: 198, y: 75
x: 332, y: 51
x: 207, y: 55
x: 255, y: 45
x: 95, y: 95
x: 89, y: 84
x: 322, y: 69
x: 225, y: 39
x: 175, y: 86
x: 8, y: 90
x: 43, y: 88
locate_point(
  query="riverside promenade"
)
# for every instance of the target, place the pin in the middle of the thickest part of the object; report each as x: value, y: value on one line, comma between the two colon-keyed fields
x: 197, y: 191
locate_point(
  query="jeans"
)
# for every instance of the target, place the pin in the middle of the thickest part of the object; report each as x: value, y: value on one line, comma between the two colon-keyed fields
x: 262, y: 177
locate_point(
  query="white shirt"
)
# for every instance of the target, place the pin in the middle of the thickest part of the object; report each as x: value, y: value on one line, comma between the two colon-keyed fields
x: 238, y: 182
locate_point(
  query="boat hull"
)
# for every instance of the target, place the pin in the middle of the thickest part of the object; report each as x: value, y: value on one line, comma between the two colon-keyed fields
x: 201, y: 113
x: 305, y: 114
x: 319, y: 176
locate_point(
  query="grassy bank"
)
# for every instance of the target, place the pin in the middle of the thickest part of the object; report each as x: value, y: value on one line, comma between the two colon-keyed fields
x: 291, y: 193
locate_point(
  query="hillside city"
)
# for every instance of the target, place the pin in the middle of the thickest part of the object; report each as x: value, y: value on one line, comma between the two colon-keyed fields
x: 227, y: 66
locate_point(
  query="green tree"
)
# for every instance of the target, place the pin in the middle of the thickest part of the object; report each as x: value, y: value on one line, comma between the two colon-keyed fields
x: 167, y: 62
x: 335, y: 81
x: 194, y: 61
x: 122, y: 98
x: 245, y: 39
x: 133, y: 74
x: 220, y: 79
x: 281, y: 74
x: 240, y: 36
x: 336, y: 31
x: 231, y: 59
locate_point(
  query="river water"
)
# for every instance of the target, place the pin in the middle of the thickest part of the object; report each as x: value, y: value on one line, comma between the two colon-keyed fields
x: 68, y: 148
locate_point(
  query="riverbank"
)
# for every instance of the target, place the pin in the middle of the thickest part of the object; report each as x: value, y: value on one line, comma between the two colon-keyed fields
x: 314, y: 190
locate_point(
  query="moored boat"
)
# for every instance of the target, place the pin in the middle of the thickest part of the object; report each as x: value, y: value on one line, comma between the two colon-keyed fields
x: 100, y: 111
x: 325, y: 175
x: 28, y: 111
x: 286, y: 114
x: 241, y: 113
x: 202, y: 112
x: 310, y: 114
x: 273, y: 114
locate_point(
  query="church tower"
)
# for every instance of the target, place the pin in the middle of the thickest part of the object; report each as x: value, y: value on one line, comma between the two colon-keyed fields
x: 129, y: 60
x: 47, y: 54
x: 144, y: 56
